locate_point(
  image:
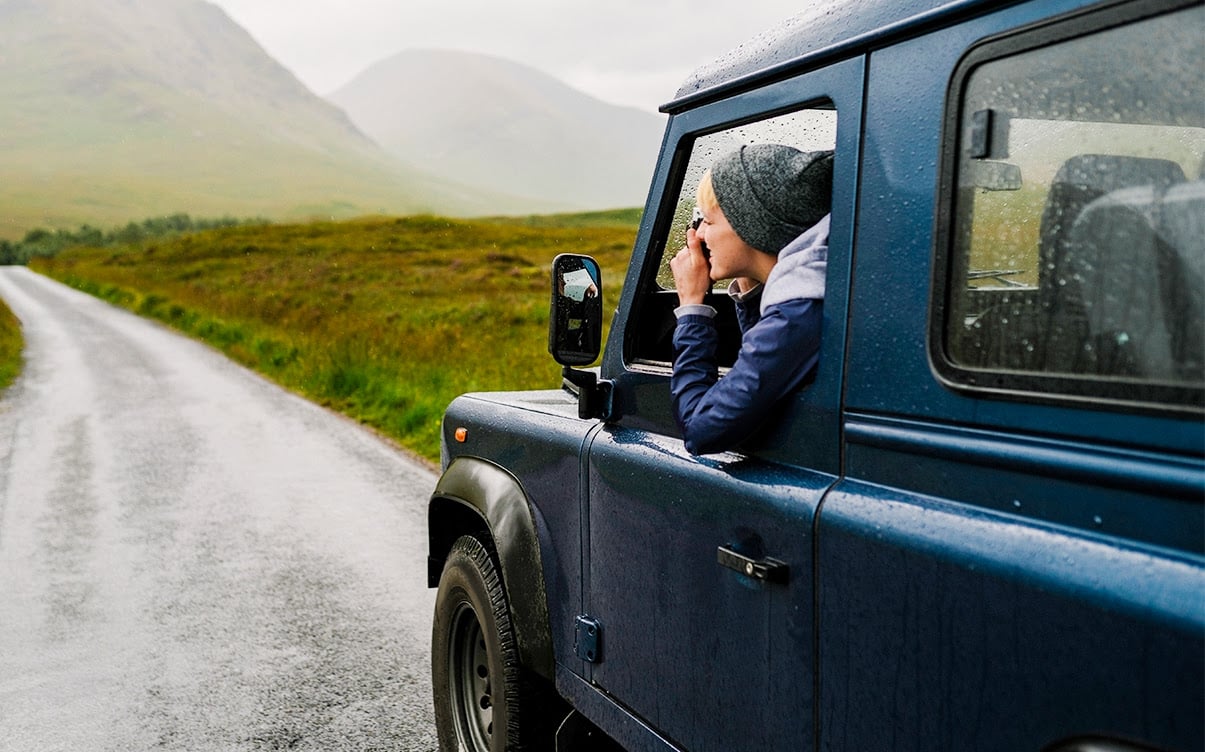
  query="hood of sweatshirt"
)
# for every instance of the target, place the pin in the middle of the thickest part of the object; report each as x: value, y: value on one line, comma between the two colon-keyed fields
x: 799, y: 273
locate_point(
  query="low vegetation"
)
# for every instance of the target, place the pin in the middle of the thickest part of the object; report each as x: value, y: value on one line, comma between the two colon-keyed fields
x: 40, y: 242
x: 11, y: 344
x: 385, y: 320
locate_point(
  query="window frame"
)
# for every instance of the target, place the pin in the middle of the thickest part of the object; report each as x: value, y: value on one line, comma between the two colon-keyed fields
x: 667, y: 224
x: 807, y: 434
x: 1111, y: 393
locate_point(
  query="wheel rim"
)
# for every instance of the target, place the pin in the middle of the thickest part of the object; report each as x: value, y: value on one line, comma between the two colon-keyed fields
x: 469, y: 669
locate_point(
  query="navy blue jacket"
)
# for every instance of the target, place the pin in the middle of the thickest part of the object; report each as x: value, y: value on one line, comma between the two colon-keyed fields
x: 780, y: 346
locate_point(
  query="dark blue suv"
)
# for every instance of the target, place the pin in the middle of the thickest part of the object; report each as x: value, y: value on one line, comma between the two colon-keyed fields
x: 980, y: 527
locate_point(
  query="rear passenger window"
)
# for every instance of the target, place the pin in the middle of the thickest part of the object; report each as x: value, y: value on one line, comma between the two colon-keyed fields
x: 1077, y: 241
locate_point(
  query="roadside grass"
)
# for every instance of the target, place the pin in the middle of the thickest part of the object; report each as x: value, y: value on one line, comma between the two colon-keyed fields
x: 11, y: 344
x: 385, y: 320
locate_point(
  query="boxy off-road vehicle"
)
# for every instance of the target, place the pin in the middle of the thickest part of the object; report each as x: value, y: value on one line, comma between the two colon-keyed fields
x: 981, y: 526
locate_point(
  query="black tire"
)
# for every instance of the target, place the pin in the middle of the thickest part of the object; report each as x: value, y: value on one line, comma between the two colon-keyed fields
x: 483, y: 701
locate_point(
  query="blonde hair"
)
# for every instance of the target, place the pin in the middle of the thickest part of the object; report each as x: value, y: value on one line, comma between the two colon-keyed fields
x: 705, y: 195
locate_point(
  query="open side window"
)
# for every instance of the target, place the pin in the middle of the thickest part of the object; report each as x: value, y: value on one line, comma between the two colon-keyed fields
x: 651, y: 343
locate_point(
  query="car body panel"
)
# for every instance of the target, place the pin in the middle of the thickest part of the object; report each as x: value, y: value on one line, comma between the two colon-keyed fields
x: 962, y: 567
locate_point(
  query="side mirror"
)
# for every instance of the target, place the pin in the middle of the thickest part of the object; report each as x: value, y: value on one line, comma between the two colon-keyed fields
x: 575, y: 321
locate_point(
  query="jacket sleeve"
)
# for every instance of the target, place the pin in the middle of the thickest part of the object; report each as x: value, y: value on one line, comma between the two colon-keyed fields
x: 716, y: 414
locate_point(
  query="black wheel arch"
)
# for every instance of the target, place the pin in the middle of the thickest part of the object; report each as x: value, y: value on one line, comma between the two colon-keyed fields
x: 477, y: 497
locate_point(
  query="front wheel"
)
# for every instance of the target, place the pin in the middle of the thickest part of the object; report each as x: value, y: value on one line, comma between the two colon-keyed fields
x: 482, y: 703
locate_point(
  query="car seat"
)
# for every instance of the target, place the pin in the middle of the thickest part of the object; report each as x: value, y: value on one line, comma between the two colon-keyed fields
x: 1081, y: 180
x: 1137, y: 256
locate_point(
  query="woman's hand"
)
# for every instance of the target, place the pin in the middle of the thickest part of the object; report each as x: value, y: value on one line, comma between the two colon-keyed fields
x: 692, y: 272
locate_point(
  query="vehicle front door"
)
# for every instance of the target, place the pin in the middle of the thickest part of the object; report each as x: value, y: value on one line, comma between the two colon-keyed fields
x: 699, y: 569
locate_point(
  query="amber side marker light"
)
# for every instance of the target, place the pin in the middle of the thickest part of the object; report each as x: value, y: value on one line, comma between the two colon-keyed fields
x: 461, y: 434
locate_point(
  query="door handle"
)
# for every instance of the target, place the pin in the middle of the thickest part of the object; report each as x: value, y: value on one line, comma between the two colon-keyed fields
x: 766, y: 569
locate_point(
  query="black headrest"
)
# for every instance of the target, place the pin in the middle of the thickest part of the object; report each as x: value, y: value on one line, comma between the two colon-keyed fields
x: 1108, y: 172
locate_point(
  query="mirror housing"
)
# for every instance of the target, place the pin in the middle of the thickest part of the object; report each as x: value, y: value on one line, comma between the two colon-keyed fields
x: 575, y: 319
x: 575, y: 331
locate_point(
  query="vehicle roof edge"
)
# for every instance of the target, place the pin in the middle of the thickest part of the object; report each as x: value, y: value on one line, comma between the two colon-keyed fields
x: 812, y: 36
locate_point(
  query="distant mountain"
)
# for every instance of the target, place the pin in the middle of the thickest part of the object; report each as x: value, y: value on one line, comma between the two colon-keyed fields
x: 122, y: 109
x: 505, y: 127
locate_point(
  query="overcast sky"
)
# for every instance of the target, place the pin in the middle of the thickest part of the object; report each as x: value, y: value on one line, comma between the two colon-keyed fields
x: 630, y: 52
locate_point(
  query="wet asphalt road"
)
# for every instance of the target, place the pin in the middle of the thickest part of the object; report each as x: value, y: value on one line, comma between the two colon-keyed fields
x: 194, y: 559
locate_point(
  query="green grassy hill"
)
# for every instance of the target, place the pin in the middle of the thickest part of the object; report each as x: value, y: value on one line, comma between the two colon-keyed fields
x: 384, y: 319
x: 116, y: 110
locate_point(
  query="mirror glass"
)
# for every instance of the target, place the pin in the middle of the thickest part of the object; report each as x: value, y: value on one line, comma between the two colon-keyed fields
x: 995, y: 176
x: 575, y: 321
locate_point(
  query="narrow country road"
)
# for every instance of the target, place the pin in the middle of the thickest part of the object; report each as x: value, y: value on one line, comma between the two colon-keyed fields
x: 192, y: 558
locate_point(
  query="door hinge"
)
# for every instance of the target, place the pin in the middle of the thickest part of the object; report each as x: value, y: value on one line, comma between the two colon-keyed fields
x: 593, y: 393
x: 588, y: 645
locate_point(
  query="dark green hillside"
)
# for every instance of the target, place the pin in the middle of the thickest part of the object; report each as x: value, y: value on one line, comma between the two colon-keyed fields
x: 384, y: 319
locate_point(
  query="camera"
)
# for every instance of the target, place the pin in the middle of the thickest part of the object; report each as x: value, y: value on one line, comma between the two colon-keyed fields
x: 696, y: 219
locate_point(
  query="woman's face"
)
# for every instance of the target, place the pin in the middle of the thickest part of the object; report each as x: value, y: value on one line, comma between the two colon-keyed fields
x: 730, y: 256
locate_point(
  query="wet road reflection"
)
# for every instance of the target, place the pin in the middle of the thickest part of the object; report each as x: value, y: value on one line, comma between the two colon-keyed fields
x: 192, y: 558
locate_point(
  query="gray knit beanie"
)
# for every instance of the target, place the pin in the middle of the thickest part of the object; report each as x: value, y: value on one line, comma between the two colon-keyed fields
x: 771, y: 193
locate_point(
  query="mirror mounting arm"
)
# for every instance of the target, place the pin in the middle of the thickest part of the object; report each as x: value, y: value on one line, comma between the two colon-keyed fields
x: 593, y: 393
